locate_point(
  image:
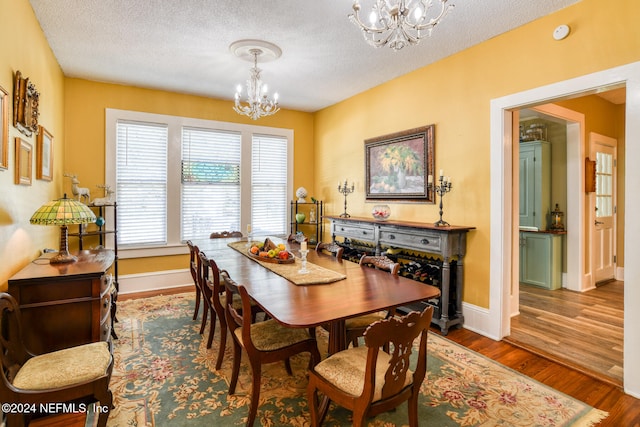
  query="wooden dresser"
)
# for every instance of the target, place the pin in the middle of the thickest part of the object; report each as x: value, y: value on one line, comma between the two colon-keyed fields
x: 448, y: 242
x: 64, y: 305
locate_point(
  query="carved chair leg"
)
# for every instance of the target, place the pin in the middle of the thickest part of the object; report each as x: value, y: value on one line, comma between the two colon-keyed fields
x: 197, y: 309
x: 256, y: 373
x: 237, y: 354
x: 212, y: 328
x: 287, y: 366
x: 106, y: 402
x: 205, y: 314
x: 223, y: 343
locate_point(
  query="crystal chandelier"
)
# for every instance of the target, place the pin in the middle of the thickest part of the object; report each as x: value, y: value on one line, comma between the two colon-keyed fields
x: 399, y: 23
x: 257, y: 104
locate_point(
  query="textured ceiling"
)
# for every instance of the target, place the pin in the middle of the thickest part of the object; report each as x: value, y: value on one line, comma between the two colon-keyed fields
x: 183, y: 46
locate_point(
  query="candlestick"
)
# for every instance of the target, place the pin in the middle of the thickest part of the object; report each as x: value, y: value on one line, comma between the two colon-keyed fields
x: 344, y: 189
x: 303, y: 259
x: 441, y: 189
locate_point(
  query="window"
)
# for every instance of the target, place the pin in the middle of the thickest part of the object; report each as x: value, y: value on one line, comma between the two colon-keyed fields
x: 141, y: 183
x: 210, y: 182
x: 269, y: 185
x: 178, y: 178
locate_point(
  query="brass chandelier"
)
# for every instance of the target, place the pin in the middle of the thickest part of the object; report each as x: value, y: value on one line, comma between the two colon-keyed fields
x: 398, y: 23
x: 258, y: 104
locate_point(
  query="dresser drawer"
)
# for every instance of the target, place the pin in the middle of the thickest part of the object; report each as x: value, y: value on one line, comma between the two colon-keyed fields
x: 417, y: 239
x: 359, y: 231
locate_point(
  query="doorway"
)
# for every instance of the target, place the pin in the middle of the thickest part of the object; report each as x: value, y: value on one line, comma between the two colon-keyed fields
x: 497, y: 320
x: 549, y: 320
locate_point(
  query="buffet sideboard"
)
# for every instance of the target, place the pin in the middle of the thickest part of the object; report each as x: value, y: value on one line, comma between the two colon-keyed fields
x: 447, y: 242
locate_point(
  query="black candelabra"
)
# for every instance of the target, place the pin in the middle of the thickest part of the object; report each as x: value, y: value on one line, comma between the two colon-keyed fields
x: 346, y: 190
x: 441, y: 189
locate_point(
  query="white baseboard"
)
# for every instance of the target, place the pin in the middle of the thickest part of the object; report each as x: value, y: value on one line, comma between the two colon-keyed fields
x: 158, y: 280
x: 477, y: 319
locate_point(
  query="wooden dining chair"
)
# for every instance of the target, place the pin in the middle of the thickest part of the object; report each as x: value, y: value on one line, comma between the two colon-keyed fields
x: 264, y: 342
x: 332, y: 248
x: 225, y: 234
x: 215, y: 296
x: 368, y: 380
x: 381, y: 262
x: 74, y: 374
x: 193, y: 268
x: 355, y: 327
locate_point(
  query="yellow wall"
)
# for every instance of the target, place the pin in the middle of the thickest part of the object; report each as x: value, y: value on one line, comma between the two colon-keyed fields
x: 455, y: 94
x: 25, y: 49
x: 86, y: 102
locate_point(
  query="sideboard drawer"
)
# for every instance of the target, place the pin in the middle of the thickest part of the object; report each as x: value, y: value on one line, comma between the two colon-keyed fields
x: 356, y: 230
x: 418, y: 239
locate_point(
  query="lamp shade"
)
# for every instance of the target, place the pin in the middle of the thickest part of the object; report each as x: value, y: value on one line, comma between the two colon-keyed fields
x: 63, y: 212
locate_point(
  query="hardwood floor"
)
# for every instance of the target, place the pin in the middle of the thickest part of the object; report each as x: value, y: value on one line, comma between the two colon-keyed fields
x: 623, y: 409
x: 582, y: 330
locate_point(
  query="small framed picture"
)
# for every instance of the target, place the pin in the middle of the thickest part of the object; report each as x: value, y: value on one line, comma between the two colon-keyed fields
x: 24, y: 158
x: 4, y: 129
x: 44, y: 155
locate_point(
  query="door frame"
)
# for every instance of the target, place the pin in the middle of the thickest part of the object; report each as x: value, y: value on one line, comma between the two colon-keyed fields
x: 501, y: 198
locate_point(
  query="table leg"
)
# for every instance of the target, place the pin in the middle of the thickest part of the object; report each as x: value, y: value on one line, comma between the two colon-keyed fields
x: 337, y: 336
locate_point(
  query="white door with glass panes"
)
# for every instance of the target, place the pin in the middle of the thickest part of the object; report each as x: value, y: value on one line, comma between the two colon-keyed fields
x: 603, y: 150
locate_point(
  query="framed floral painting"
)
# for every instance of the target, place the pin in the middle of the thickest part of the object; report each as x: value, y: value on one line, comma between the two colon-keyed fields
x: 397, y: 165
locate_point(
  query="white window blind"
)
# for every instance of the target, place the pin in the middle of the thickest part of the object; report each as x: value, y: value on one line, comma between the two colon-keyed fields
x: 210, y: 182
x: 141, y: 183
x: 269, y: 184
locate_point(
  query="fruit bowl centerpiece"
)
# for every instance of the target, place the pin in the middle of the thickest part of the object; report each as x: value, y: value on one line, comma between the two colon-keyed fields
x: 270, y: 252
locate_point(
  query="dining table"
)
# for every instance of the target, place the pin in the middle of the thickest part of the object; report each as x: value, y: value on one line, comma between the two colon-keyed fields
x: 343, y: 289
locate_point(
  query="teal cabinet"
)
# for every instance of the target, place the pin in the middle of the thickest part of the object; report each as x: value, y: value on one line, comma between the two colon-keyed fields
x: 535, y: 184
x: 541, y: 259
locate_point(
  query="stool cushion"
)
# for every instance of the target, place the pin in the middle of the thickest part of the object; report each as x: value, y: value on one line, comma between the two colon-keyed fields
x: 64, y: 367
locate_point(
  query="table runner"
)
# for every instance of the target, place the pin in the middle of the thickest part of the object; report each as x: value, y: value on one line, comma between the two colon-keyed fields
x: 317, y: 275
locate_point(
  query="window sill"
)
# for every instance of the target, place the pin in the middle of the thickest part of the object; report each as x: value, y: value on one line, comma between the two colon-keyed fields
x: 147, y: 252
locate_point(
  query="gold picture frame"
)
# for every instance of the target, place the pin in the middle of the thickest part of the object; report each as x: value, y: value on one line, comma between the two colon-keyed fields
x: 4, y: 128
x: 44, y: 155
x: 25, y: 105
x: 397, y: 166
x: 24, y: 161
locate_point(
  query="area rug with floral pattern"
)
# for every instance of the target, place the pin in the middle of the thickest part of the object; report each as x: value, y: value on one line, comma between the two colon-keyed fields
x: 165, y: 376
